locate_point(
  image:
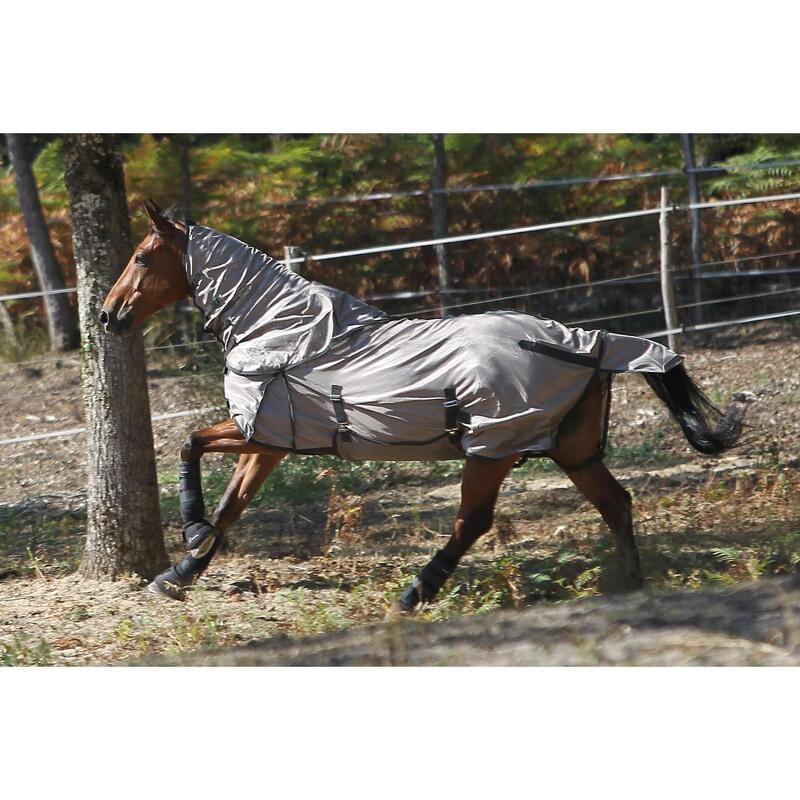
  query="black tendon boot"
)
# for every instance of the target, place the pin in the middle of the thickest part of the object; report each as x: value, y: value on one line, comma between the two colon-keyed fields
x: 428, y: 582
x: 201, y: 537
x: 202, y: 540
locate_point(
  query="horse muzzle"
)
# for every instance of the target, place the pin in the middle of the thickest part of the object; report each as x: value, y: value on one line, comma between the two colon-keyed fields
x: 114, y: 322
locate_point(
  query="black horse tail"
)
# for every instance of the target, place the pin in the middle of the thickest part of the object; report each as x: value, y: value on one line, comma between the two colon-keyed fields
x: 708, y: 430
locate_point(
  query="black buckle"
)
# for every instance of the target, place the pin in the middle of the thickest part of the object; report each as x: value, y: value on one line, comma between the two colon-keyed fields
x: 341, y: 416
x: 344, y: 433
x: 451, y: 412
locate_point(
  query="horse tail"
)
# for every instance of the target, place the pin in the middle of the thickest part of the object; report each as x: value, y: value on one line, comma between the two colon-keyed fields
x: 708, y: 429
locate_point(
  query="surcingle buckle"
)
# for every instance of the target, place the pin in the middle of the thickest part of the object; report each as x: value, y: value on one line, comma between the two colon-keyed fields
x: 341, y: 416
x: 344, y: 433
x: 451, y: 412
x: 451, y: 427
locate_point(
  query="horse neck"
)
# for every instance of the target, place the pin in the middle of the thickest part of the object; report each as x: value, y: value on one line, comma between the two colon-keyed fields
x: 228, y: 278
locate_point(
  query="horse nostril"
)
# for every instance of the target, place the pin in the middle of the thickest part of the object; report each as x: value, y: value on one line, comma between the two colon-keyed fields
x: 104, y: 318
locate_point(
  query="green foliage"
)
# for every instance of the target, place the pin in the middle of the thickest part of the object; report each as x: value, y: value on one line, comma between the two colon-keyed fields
x: 648, y: 451
x: 237, y: 179
x: 48, y: 168
x: 770, y: 180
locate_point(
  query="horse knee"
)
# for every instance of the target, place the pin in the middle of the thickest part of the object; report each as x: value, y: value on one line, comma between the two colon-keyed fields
x: 192, y: 448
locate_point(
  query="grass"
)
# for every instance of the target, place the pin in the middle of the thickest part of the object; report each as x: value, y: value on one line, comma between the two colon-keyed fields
x: 650, y: 451
x: 21, y: 651
x: 300, y: 480
x: 37, y: 541
x: 311, y: 615
x: 31, y: 340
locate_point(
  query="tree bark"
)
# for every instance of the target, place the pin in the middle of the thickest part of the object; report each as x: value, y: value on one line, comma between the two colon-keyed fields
x: 184, y: 307
x: 184, y: 146
x: 123, y: 529
x: 62, y: 323
x: 439, y: 209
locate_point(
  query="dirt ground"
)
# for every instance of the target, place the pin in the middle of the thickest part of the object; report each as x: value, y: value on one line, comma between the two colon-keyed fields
x: 329, y: 544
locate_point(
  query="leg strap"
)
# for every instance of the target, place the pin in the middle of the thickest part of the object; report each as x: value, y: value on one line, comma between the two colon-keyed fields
x: 199, y: 537
x: 431, y: 578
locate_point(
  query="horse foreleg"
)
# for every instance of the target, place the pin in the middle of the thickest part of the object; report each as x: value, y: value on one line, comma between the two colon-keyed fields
x: 480, y: 485
x: 201, y: 536
x: 251, y: 471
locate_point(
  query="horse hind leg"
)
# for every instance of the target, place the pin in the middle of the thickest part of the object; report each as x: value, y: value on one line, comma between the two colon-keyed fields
x: 580, y: 454
x: 480, y: 485
x: 613, y: 502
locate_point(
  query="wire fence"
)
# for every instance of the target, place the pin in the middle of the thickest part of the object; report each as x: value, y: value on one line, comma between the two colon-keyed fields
x: 473, y: 237
x: 618, y: 280
x: 35, y: 437
x: 544, y: 183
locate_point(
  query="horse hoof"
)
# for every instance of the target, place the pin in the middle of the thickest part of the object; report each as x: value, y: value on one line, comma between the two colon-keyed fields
x: 166, y: 588
x: 398, y: 610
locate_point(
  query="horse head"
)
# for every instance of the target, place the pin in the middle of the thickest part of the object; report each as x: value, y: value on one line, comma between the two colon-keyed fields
x: 153, y: 278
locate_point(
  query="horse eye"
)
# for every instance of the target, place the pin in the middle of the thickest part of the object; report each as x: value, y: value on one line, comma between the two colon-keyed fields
x: 139, y: 260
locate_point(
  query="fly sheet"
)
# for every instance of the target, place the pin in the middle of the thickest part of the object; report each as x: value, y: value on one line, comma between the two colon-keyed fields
x: 311, y: 369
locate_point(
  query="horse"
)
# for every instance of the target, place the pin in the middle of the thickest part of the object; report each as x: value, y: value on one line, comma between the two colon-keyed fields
x: 284, y: 352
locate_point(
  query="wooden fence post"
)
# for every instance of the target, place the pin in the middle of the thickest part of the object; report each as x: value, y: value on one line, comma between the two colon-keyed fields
x: 439, y: 210
x: 667, y: 282
x: 687, y: 144
x: 290, y: 252
x: 7, y: 324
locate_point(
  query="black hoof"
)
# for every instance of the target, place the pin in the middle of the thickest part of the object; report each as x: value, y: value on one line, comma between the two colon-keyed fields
x: 408, y: 600
x: 167, y: 585
x: 397, y: 610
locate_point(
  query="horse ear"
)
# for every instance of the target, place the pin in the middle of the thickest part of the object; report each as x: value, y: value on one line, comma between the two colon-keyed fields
x: 153, y: 209
x: 161, y: 224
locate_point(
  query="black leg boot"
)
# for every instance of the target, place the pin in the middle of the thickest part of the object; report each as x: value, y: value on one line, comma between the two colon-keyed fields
x: 202, y: 540
x: 201, y: 537
x: 426, y: 585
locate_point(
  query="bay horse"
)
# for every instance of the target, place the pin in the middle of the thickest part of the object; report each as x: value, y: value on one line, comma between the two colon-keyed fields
x: 159, y: 274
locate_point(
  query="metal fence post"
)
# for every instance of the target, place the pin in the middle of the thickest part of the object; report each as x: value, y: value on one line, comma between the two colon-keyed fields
x: 667, y: 282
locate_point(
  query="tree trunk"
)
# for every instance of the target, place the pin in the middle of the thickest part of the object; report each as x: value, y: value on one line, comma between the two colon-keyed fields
x: 62, y: 323
x: 184, y: 307
x: 186, y: 178
x: 123, y: 528
x: 439, y: 209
